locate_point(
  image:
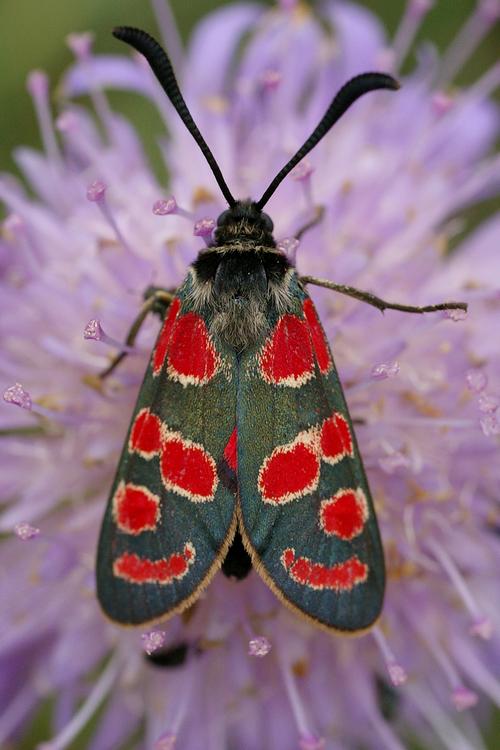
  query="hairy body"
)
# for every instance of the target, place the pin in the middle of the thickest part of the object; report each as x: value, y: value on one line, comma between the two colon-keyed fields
x: 239, y: 281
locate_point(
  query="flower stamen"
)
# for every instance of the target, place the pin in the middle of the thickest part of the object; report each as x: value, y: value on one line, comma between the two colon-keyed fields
x: 446, y: 729
x: 94, y: 331
x: 81, y: 46
x: 412, y: 19
x: 477, y: 380
x: 25, y: 531
x: 302, y: 174
x: 308, y: 739
x: 169, y: 31
x: 99, y: 692
x: 481, y: 625
x: 289, y: 246
x: 96, y: 193
x: 153, y: 640
x: 17, y: 710
x: 166, y: 206
x: 479, y: 673
x: 259, y: 646
x: 19, y: 396
x: 461, y: 696
x: 204, y: 228
x: 165, y: 742
x: 20, y: 235
x: 385, y: 370
x: 468, y: 39
x: 396, y: 672
x: 38, y: 87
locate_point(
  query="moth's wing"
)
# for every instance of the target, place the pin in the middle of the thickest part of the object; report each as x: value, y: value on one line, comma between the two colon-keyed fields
x: 306, y: 514
x: 171, y: 518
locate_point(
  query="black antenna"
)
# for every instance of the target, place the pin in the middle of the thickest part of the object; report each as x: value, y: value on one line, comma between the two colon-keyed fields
x: 162, y: 68
x: 347, y: 95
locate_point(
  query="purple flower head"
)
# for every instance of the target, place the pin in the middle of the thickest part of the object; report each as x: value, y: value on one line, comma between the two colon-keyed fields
x: 77, y: 251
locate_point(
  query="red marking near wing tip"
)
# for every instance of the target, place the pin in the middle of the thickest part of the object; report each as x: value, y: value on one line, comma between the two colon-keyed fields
x: 187, y: 468
x: 163, y: 343
x: 344, y: 515
x: 192, y: 357
x: 340, y: 577
x: 145, y: 436
x: 287, y: 356
x: 135, y: 569
x: 335, y: 440
x: 320, y: 344
x: 291, y: 471
x: 135, y: 509
x: 231, y: 451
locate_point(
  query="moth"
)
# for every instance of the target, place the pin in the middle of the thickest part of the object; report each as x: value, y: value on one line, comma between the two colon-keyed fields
x: 241, y: 452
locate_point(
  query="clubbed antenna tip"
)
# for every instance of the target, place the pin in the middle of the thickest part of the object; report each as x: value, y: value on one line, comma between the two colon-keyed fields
x: 162, y: 68
x: 347, y: 95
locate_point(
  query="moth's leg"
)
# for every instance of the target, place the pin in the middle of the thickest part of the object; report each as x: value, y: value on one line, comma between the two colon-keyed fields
x: 161, y: 299
x: 157, y: 301
x: 377, y: 302
x: 319, y: 212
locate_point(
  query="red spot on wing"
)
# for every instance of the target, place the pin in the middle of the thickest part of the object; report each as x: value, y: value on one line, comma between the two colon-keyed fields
x: 135, y: 509
x: 345, y: 514
x: 163, y: 342
x: 335, y: 440
x: 192, y: 357
x: 231, y: 451
x: 288, y: 557
x: 287, y: 356
x: 135, y: 569
x: 145, y: 436
x: 291, y: 471
x: 321, y: 348
x: 227, y: 467
x: 187, y: 468
x: 340, y: 577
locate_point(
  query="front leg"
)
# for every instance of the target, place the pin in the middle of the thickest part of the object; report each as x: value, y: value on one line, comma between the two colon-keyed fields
x: 157, y: 302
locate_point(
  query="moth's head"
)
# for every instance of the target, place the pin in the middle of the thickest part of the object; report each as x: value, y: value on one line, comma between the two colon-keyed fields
x: 244, y: 221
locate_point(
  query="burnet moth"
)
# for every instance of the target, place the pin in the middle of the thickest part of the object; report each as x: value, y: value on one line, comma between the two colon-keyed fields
x: 241, y: 452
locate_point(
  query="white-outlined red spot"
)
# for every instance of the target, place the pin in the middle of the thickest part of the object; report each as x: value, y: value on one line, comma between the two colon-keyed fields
x: 163, y: 342
x: 185, y: 348
x: 341, y: 577
x: 345, y: 514
x: 287, y: 356
x: 135, y: 508
x: 187, y: 467
x: 135, y: 569
x: 192, y: 356
x: 145, y: 435
x: 321, y: 348
x: 335, y: 439
x: 291, y: 470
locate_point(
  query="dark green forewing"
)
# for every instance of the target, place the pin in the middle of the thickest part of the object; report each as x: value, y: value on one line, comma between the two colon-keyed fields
x: 306, y: 512
x: 170, y: 517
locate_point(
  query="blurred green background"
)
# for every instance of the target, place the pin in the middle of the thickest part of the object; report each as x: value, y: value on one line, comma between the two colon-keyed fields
x: 33, y: 34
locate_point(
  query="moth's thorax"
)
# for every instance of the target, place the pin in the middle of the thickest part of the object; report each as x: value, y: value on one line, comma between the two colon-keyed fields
x: 238, y: 290
x: 246, y: 225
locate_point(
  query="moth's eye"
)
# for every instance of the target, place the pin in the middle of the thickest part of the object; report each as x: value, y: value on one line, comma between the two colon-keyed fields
x: 268, y: 222
x: 223, y: 217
